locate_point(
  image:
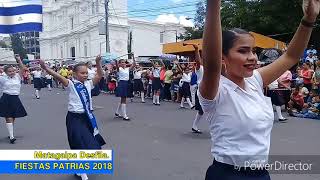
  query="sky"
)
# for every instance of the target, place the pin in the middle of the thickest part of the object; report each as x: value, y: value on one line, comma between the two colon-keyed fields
x: 174, y: 11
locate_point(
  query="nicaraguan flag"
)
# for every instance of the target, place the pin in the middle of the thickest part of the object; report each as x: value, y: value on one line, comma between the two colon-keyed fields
x: 20, y: 16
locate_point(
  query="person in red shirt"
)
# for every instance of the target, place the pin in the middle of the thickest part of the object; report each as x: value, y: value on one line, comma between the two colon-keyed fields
x: 306, y: 74
x: 296, y: 100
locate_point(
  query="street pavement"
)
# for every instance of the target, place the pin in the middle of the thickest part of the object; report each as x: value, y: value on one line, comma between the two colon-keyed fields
x: 156, y: 144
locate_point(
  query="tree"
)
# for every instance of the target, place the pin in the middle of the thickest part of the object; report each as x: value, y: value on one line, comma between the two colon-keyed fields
x: 17, y: 46
x: 196, y: 31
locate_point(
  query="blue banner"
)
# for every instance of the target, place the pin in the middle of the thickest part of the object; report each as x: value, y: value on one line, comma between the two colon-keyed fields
x: 56, y: 167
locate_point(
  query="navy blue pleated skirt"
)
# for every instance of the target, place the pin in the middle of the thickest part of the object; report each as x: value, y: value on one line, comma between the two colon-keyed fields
x: 198, y: 105
x: 156, y: 84
x: 185, y: 90
x: 138, y: 85
x: 80, y: 132
x: 221, y: 171
x: 11, y: 107
x: 122, y: 89
x: 37, y: 83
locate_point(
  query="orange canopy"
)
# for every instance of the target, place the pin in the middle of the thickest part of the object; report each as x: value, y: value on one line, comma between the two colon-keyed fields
x: 261, y: 41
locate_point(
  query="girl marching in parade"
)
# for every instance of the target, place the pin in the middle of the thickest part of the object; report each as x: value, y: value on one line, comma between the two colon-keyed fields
x: 137, y: 83
x: 185, y: 85
x: 240, y: 116
x: 156, y: 82
x: 10, y: 104
x: 37, y: 81
x: 122, y: 90
x: 82, y: 128
x: 199, y: 72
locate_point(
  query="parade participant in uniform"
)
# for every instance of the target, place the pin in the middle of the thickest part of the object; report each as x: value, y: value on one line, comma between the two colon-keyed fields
x: 49, y: 81
x: 156, y: 82
x: 82, y: 129
x: 199, y: 72
x: 10, y: 104
x: 123, y: 87
x: 185, y: 85
x: 37, y: 81
x: 240, y: 116
x: 137, y: 82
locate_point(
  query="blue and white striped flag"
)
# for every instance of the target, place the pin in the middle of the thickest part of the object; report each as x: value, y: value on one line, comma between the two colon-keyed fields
x: 20, y: 16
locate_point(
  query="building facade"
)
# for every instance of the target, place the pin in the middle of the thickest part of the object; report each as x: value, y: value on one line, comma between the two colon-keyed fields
x: 30, y: 41
x: 72, y: 28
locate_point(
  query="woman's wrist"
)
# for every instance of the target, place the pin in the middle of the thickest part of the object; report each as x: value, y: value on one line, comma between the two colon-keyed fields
x: 308, y: 22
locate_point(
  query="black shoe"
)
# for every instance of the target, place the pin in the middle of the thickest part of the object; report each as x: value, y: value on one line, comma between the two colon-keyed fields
x: 12, y: 140
x: 283, y: 120
x: 196, y: 131
x: 155, y: 104
x: 126, y: 119
x: 158, y: 104
x: 117, y: 115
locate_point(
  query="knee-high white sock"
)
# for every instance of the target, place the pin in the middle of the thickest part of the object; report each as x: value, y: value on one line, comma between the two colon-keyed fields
x: 37, y: 92
x: 142, y: 96
x: 49, y: 86
x: 124, y: 110
x: 10, y: 129
x: 189, y: 102
x: 182, y: 102
x: 158, y: 99
x: 278, y: 109
x: 118, y: 108
x: 154, y: 99
x: 196, y: 121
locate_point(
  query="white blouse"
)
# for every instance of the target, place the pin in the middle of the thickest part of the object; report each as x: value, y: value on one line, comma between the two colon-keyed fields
x: 199, y: 74
x: 137, y: 75
x: 123, y: 74
x: 75, y: 105
x: 186, y: 77
x: 9, y: 85
x: 156, y: 72
x: 91, y: 73
x: 36, y: 74
x: 240, y: 121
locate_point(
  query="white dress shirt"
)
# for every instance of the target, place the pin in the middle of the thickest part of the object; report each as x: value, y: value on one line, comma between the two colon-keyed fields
x: 91, y: 73
x: 199, y: 74
x: 240, y: 121
x: 75, y: 105
x: 10, y: 85
x: 137, y: 75
x: 123, y: 74
x: 156, y: 72
x: 186, y: 77
x: 36, y: 74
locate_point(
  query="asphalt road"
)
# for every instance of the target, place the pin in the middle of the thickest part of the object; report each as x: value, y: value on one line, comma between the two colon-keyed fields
x: 156, y: 144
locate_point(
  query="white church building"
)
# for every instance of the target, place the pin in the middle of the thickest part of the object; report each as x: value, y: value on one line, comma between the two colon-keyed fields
x: 71, y: 29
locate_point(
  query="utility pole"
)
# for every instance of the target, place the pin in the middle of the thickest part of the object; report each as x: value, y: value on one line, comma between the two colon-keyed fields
x: 106, y: 7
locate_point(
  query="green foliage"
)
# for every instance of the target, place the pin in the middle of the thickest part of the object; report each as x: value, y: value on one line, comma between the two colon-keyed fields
x: 278, y: 19
x: 17, y: 46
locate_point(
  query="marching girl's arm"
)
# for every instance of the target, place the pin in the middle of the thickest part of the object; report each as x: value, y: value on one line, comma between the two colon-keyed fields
x: 63, y: 80
x: 211, y: 50
x: 297, y: 45
x: 20, y: 64
x: 99, y: 74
